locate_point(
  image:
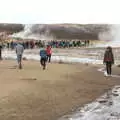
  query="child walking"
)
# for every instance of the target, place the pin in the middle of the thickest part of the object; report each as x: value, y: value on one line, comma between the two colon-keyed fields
x: 43, y: 58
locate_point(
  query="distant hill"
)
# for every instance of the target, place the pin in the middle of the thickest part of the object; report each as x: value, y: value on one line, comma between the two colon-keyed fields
x: 70, y: 31
x: 11, y: 28
x: 59, y: 31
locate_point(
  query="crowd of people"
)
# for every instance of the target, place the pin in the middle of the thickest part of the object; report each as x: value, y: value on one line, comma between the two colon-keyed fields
x: 45, y: 55
x: 46, y: 52
x: 68, y: 44
x: 53, y: 43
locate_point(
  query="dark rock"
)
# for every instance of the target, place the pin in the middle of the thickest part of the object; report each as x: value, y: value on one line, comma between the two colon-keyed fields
x: 29, y: 79
x: 86, y: 64
x: 110, y: 103
x: 118, y: 65
x: 60, y: 62
x: 102, y: 101
x: 114, y: 94
x: 24, y: 58
x: 117, y: 87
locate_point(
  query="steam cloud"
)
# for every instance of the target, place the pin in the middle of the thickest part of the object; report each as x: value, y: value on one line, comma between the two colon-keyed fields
x: 34, y: 32
x: 111, y: 37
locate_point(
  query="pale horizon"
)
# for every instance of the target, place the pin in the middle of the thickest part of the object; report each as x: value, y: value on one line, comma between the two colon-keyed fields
x: 60, y: 11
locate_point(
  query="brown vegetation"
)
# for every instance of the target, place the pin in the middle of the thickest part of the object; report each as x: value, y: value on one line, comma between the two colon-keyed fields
x: 11, y: 28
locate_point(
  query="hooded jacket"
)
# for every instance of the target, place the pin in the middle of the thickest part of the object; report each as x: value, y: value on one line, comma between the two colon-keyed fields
x: 43, y: 53
x: 48, y: 50
x: 19, y: 49
x: 108, y: 57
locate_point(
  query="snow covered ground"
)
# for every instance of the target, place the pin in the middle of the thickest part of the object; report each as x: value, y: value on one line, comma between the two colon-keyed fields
x: 55, y: 58
x: 107, y: 107
x: 84, y: 55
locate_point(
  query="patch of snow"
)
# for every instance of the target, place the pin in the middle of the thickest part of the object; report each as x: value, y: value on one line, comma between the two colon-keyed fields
x: 55, y: 58
x: 105, y: 73
x: 107, y: 107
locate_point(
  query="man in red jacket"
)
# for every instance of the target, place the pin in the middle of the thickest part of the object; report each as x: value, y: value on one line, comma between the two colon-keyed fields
x: 49, y: 53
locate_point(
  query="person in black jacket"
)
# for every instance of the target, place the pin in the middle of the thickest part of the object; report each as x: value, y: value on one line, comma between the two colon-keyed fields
x: 108, y: 60
x: 0, y: 52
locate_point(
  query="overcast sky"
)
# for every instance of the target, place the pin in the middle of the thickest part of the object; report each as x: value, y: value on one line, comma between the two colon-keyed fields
x: 60, y: 11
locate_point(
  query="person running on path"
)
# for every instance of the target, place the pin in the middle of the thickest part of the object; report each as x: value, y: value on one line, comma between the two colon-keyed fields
x: 43, y: 58
x: 19, y: 53
x: 49, y: 53
x: 108, y: 60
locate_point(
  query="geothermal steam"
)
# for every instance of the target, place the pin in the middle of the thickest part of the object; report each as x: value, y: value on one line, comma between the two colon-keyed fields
x: 111, y: 37
x: 36, y: 32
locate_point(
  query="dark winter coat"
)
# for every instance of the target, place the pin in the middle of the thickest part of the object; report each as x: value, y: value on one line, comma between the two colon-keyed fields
x: 108, y: 57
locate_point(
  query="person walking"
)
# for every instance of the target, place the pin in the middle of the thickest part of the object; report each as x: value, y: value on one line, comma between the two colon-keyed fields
x: 43, y: 58
x: 108, y: 60
x: 0, y: 51
x: 19, y: 53
x: 49, y: 53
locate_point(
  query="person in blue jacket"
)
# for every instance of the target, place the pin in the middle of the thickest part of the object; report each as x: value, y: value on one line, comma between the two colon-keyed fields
x: 43, y: 58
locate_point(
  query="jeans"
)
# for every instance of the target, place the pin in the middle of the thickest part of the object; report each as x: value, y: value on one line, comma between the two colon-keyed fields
x: 49, y: 58
x: 109, y: 67
x: 19, y: 58
x: 43, y: 62
x: 0, y: 55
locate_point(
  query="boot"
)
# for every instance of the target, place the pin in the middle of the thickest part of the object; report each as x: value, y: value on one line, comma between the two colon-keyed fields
x: 20, y: 66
